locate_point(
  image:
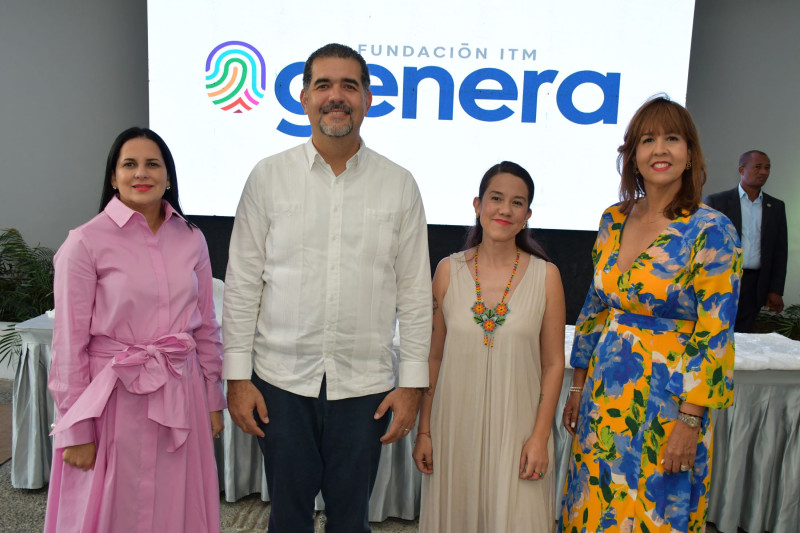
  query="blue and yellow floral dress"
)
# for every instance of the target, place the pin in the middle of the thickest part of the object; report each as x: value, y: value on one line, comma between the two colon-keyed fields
x: 650, y: 338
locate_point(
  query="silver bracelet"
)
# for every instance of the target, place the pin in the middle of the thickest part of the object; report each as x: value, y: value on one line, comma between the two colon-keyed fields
x: 575, y: 389
x: 692, y: 421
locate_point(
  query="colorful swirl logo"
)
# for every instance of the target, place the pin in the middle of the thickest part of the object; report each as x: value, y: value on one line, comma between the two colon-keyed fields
x: 236, y: 76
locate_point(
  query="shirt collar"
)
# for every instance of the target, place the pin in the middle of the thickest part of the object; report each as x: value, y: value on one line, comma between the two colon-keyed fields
x: 743, y: 194
x: 313, y: 156
x: 121, y: 213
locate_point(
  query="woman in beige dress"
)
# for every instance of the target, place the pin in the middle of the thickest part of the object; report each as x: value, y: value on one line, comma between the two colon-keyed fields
x: 496, y: 366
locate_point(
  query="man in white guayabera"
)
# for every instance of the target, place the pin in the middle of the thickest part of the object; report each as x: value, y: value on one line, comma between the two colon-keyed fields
x: 328, y: 249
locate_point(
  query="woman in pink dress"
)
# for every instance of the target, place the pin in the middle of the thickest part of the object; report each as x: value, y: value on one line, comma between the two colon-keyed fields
x: 136, y: 359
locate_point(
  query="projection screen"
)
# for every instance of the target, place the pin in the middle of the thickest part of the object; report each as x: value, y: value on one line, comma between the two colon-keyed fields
x: 457, y: 87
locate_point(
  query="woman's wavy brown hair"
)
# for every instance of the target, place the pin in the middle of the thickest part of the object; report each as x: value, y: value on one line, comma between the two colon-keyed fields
x: 661, y: 115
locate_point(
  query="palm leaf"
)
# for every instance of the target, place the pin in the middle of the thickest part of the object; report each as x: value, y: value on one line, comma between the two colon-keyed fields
x: 10, y: 344
x: 26, y: 286
x: 787, y: 322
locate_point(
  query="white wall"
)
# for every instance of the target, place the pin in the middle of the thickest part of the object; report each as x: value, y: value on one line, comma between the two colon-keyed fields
x: 744, y: 83
x: 74, y: 74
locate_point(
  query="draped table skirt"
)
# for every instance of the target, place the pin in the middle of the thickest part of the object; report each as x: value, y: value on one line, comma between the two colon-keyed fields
x: 755, y: 481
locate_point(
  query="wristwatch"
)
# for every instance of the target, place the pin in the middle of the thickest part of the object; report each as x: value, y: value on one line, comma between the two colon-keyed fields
x: 690, y: 420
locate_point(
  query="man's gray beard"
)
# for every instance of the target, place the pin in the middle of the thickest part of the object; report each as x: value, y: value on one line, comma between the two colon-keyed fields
x: 340, y: 130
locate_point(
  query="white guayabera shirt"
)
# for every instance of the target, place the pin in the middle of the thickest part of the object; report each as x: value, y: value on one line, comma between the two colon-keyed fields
x: 320, y: 266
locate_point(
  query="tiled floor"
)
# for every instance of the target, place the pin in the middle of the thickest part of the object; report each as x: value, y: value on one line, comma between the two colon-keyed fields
x: 251, y: 514
x: 5, y: 431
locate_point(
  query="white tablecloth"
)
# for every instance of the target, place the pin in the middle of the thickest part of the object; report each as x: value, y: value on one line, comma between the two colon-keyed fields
x: 31, y: 447
x: 755, y: 478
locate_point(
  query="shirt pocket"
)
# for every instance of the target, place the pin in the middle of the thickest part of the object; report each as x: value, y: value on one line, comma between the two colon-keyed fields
x: 284, y: 239
x: 381, y: 228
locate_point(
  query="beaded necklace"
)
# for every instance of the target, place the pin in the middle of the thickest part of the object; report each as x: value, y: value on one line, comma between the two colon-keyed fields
x: 490, y: 319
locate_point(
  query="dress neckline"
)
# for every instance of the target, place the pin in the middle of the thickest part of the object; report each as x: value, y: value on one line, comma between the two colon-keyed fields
x: 511, y: 293
x: 618, y: 243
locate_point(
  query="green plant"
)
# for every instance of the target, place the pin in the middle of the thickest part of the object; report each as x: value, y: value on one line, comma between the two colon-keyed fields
x: 26, y: 286
x: 10, y: 344
x: 787, y: 322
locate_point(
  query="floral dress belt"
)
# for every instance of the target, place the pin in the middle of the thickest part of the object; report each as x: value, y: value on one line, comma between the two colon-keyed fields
x: 654, y: 323
x: 153, y: 369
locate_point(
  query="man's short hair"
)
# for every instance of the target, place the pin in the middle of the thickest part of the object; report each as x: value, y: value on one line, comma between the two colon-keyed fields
x: 336, y: 50
x: 745, y: 157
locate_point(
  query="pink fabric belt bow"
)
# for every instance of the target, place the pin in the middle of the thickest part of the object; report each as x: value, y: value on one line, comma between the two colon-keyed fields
x: 149, y: 369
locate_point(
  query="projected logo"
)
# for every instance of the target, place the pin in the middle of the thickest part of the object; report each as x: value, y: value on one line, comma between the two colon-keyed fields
x: 236, y: 77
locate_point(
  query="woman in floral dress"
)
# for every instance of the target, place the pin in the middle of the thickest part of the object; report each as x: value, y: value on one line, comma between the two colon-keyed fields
x: 653, y: 349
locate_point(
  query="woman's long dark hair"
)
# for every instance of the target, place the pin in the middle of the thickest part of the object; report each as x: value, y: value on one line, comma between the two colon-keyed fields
x: 170, y: 194
x: 523, y: 239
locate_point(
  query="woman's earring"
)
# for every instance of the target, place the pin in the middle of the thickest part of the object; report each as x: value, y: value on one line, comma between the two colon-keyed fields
x: 689, y: 165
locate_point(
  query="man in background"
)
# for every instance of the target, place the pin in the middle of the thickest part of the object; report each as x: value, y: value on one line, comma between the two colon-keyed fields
x: 760, y: 220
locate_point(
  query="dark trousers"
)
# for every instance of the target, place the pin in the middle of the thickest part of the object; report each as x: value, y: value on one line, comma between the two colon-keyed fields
x: 749, y: 305
x: 313, y: 444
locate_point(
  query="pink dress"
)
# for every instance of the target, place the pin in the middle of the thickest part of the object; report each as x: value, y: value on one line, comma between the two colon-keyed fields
x: 135, y: 369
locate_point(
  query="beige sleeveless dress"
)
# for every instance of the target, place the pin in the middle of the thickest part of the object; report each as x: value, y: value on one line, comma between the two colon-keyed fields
x: 484, y: 409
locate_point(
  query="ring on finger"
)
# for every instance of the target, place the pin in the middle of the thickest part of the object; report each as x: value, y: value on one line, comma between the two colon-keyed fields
x: 685, y: 468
